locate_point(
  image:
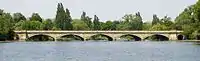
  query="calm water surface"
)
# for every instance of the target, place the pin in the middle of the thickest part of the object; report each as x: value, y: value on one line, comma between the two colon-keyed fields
x: 99, y: 51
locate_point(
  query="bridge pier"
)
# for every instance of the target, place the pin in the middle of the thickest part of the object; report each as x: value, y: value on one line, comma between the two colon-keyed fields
x: 173, y: 37
x: 55, y: 39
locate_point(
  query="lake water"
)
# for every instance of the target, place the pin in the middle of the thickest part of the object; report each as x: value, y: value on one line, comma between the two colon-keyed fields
x: 99, y: 51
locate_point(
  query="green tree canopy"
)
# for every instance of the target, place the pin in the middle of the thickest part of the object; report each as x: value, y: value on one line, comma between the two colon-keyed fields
x: 159, y: 27
x: 63, y: 19
x: 18, y: 17
x: 36, y: 17
x: 5, y: 23
x: 96, y: 23
x: 79, y: 25
x: 86, y: 19
x: 107, y: 26
x: 48, y: 24
x: 133, y: 22
x: 189, y: 21
x: 29, y: 25
x: 68, y: 22
x: 155, y: 20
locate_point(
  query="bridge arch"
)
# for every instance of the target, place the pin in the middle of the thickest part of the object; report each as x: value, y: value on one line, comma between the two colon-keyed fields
x: 40, y: 37
x: 180, y: 37
x: 197, y: 37
x: 96, y: 37
x: 76, y: 37
x: 131, y: 37
x: 157, y: 37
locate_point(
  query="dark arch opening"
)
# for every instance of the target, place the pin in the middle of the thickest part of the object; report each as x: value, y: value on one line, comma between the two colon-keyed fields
x: 41, y: 38
x: 157, y: 37
x: 198, y: 37
x: 71, y: 37
x: 129, y: 37
x: 99, y: 37
x: 180, y: 37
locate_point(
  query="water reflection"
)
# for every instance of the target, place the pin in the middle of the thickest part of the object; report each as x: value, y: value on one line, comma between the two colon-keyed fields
x: 99, y: 51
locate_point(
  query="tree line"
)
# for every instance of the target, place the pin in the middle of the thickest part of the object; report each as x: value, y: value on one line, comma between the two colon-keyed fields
x: 188, y: 21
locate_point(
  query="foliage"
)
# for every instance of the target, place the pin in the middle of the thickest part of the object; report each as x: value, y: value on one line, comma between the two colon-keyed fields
x: 159, y: 27
x: 87, y: 20
x: 155, y: 20
x: 63, y: 19
x: 123, y: 25
x: 48, y: 24
x: 68, y: 22
x: 36, y: 17
x: 107, y: 26
x: 146, y: 26
x: 79, y: 25
x: 6, y: 25
x: 161, y: 24
x: 18, y: 17
x: 189, y: 21
x: 132, y: 22
x: 96, y: 23
x: 29, y: 25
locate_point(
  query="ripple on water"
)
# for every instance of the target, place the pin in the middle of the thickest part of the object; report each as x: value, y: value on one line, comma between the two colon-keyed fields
x: 99, y: 51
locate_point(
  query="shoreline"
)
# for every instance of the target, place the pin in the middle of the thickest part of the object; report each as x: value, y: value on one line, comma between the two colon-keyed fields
x: 190, y: 40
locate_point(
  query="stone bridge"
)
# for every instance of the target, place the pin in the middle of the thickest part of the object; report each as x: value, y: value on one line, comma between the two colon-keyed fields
x: 114, y: 35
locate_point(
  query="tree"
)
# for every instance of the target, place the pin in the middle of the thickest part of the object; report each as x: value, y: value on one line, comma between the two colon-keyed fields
x: 89, y: 22
x: 60, y: 16
x: 123, y: 25
x: 1, y: 12
x: 96, y: 23
x: 86, y: 19
x: 48, y: 24
x: 167, y: 22
x: 189, y: 21
x: 36, y: 17
x: 6, y: 25
x: 68, y: 22
x: 138, y: 21
x: 83, y: 17
x: 79, y: 25
x: 159, y: 27
x: 133, y: 22
x: 186, y: 17
x: 29, y: 25
x: 18, y: 17
x: 196, y: 12
x: 107, y: 25
x: 146, y: 26
x: 63, y: 19
x: 155, y: 20
x: 114, y: 25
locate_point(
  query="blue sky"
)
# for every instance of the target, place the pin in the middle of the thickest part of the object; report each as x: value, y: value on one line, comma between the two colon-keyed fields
x: 104, y: 9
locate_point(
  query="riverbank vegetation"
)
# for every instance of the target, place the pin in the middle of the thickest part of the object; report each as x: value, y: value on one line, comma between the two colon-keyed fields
x: 188, y: 21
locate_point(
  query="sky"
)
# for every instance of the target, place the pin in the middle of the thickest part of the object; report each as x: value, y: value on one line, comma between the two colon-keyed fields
x: 104, y: 9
